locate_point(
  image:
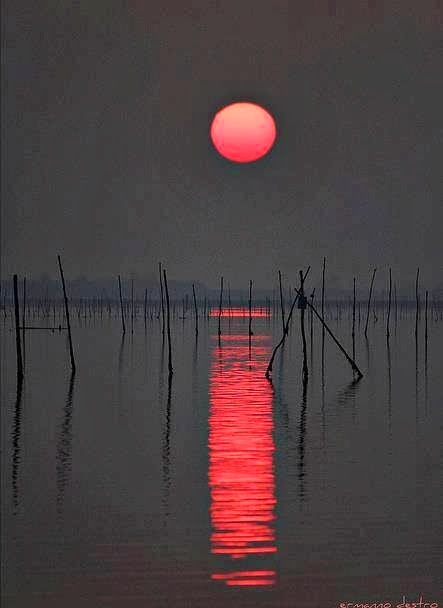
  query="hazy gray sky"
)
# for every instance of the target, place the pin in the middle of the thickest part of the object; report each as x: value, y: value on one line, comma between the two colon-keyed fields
x: 107, y: 159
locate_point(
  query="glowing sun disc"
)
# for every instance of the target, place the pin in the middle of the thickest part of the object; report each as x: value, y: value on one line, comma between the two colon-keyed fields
x: 243, y: 132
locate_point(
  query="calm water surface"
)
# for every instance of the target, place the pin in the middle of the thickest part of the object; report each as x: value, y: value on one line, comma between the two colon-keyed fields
x: 220, y: 488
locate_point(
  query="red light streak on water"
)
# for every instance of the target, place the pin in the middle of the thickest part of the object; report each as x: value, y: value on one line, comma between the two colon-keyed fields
x: 240, y: 312
x: 241, y: 446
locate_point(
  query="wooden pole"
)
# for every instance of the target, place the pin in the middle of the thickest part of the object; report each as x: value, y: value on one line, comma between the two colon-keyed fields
x: 302, y: 305
x: 145, y: 306
x: 250, y: 332
x: 353, y: 320
x: 132, y: 306
x: 417, y: 301
x: 268, y: 371
x: 311, y: 324
x: 168, y: 320
x: 388, y: 333
x: 195, y: 309
x: 18, y: 345
x: 220, y: 307
x: 350, y: 361
x: 323, y: 289
x: 121, y: 304
x: 68, y: 322
x: 369, y: 301
x: 323, y: 314
x: 282, y: 304
x: 426, y: 316
x: 24, y: 320
x: 161, y: 297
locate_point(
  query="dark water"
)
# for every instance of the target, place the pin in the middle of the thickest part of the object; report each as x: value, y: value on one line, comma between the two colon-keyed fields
x: 220, y: 489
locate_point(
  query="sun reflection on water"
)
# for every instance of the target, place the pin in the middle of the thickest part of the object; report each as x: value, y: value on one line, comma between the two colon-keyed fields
x: 241, y: 469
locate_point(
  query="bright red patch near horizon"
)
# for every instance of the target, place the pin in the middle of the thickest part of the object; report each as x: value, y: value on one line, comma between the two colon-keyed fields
x: 243, y: 132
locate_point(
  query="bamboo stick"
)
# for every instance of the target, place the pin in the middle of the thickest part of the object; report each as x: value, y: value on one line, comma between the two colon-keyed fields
x: 195, y: 309
x: 268, y: 371
x: 369, y: 301
x: 426, y: 316
x: 68, y: 322
x: 250, y: 332
x: 220, y: 307
x: 302, y: 302
x: 388, y: 333
x: 282, y: 304
x: 417, y: 301
x: 18, y: 347
x: 121, y: 304
x: 161, y: 297
x: 353, y: 319
x: 132, y: 306
x: 168, y: 320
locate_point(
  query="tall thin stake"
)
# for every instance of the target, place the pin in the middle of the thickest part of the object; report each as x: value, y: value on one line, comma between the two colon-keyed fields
x: 323, y: 312
x: 426, y: 316
x: 132, y: 306
x: 417, y: 301
x: 18, y: 345
x: 302, y: 302
x: 195, y: 309
x: 311, y: 324
x: 220, y: 307
x: 121, y: 304
x: 388, y: 333
x: 68, y: 322
x: 168, y: 320
x: 282, y: 304
x: 353, y: 320
x: 161, y: 297
x: 24, y: 320
x: 24, y: 305
x: 250, y: 332
x: 369, y: 301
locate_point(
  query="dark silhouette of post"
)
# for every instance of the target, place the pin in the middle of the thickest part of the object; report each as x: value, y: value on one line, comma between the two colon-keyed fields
x: 168, y: 321
x: 132, y: 306
x: 353, y: 320
x: 24, y: 321
x: 323, y: 314
x: 302, y: 302
x: 250, y: 332
x: 282, y: 305
x: 426, y: 317
x: 369, y: 302
x: 18, y: 346
x: 121, y: 304
x: 68, y: 322
x: 268, y: 371
x: 417, y: 301
x: 145, y: 305
x: 161, y: 297
x: 388, y: 319
x: 195, y: 309
x: 220, y: 307
x: 311, y: 324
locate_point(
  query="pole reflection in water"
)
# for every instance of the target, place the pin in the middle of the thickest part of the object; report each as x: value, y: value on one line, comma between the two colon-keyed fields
x: 241, y: 468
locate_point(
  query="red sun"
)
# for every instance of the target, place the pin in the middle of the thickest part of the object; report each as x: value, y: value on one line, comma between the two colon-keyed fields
x: 243, y: 132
